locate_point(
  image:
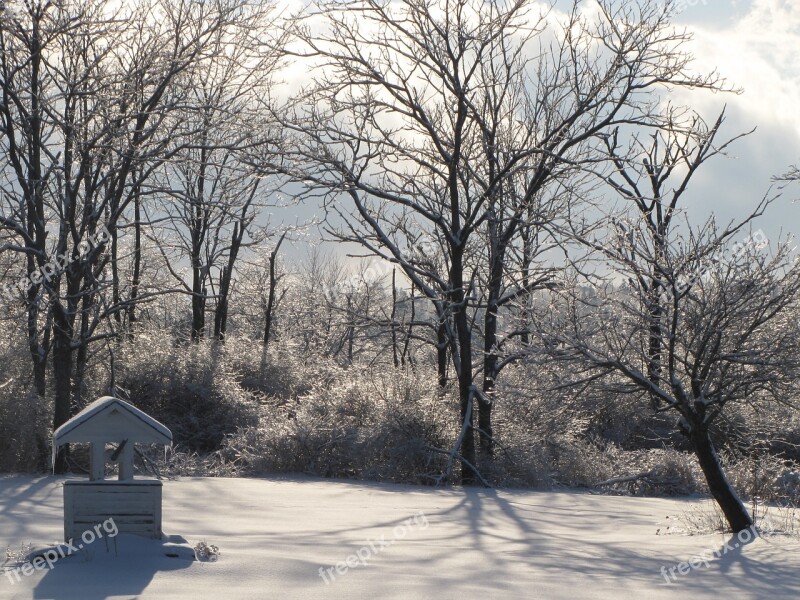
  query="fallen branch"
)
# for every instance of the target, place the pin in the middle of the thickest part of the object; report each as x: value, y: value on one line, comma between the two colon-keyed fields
x: 148, y: 463
x: 629, y: 479
x: 441, y: 478
x: 454, y: 454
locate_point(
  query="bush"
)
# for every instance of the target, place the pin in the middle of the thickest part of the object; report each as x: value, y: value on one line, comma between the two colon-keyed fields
x: 24, y: 417
x: 188, y: 388
x: 235, y: 410
x: 282, y: 372
x: 385, y: 428
x: 24, y: 430
x: 655, y: 472
x: 762, y: 477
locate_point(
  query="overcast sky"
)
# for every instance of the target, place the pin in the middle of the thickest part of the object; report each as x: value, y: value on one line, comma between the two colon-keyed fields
x: 755, y: 45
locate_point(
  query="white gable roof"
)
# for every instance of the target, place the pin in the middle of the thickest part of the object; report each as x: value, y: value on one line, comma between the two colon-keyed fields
x: 111, y: 420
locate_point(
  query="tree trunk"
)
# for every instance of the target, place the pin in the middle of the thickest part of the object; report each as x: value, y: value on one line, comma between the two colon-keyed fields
x: 406, y: 356
x: 199, y: 228
x: 273, y: 283
x: 137, y: 262
x: 732, y: 507
x: 392, y: 317
x: 38, y: 341
x: 38, y: 346
x: 485, y: 405
x: 62, y: 377
x: 465, y: 383
x: 467, y: 449
x: 490, y: 357
x: 442, y: 344
x: 40, y: 376
x: 221, y: 311
x: 198, y: 303
x: 350, y: 333
x: 82, y: 353
x: 115, y: 283
x: 655, y: 313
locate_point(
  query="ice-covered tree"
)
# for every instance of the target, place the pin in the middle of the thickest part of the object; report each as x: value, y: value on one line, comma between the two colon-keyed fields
x: 693, y: 317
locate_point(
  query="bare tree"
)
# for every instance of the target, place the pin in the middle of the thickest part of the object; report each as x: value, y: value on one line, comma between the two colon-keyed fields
x: 88, y: 87
x: 793, y: 174
x: 209, y: 190
x: 273, y: 296
x: 692, y: 317
x: 445, y: 122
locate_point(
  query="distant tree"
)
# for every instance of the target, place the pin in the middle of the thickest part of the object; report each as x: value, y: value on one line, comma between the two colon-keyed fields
x: 209, y: 190
x: 273, y: 296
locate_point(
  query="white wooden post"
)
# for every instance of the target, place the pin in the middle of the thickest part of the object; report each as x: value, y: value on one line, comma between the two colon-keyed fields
x: 97, y: 461
x: 126, y: 462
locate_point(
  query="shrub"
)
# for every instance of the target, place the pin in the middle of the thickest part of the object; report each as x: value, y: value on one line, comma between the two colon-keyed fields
x: 386, y: 428
x: 25, y: 418
x: 760, y: 477
x: 24, y: 430
x: 186, y: 387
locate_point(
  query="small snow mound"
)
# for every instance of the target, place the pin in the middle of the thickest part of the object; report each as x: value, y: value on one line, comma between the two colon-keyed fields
x: 204, y: 552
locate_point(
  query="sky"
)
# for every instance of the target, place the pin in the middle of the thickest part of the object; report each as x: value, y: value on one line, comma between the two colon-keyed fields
x: 754, y: 45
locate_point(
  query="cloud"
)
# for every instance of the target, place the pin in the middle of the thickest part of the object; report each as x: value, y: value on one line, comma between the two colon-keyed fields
x: 755, y: 50
x: 758, y: 53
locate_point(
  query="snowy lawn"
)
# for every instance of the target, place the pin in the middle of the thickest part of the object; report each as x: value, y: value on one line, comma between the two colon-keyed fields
x: 275, y: 535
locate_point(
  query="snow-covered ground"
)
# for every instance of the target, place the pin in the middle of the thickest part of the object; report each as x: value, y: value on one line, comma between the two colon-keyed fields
x: 275, y: 535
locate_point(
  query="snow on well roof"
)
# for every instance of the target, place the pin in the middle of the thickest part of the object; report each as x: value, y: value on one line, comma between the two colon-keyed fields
x: 105, y: 406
